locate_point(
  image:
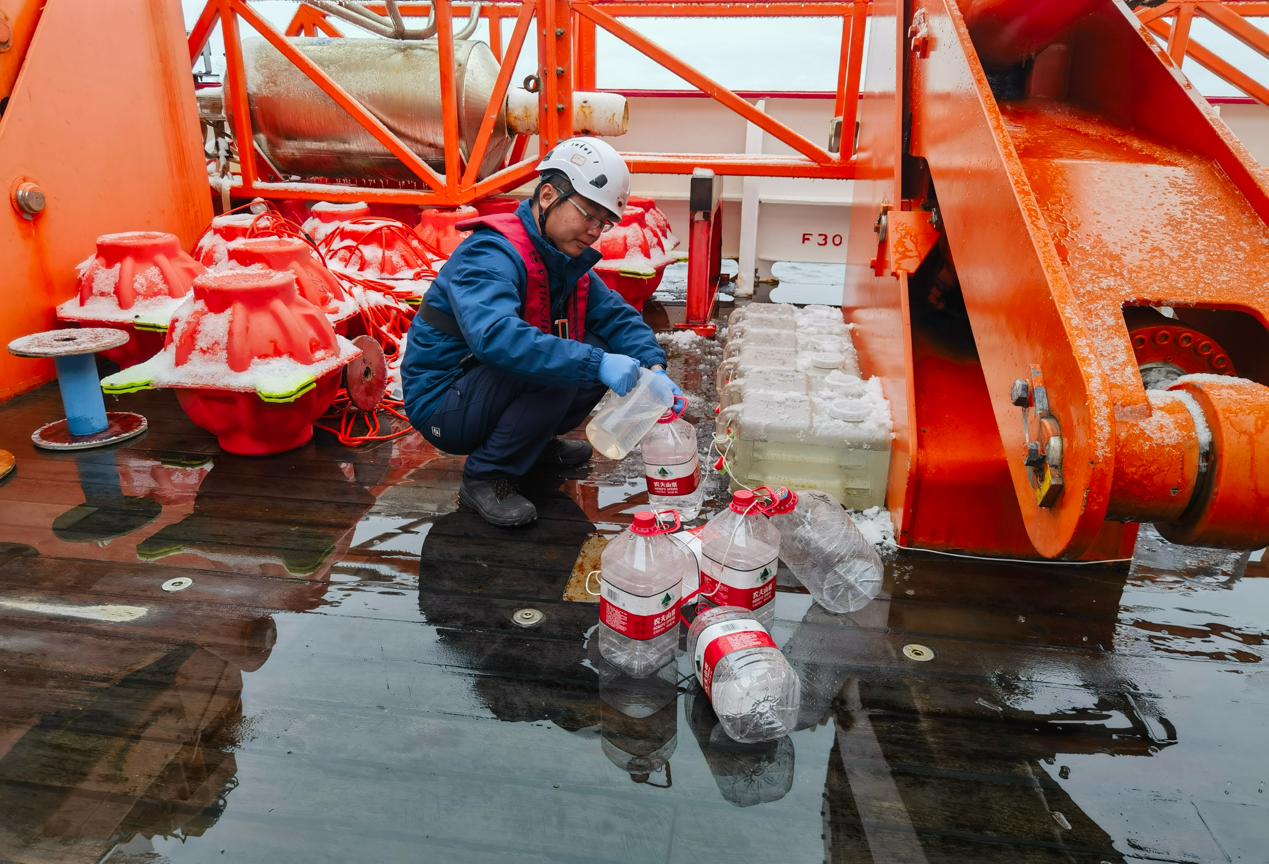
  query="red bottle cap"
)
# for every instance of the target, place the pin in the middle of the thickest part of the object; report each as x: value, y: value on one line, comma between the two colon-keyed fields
x: 644, y: 523
x: 785, y: 500
x: 742, y: 500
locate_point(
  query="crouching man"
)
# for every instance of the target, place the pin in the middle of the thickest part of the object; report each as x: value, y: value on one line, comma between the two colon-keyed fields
x: 518, y: 338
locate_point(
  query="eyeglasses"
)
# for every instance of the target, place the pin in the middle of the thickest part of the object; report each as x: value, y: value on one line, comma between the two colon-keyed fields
x: 604, y: 225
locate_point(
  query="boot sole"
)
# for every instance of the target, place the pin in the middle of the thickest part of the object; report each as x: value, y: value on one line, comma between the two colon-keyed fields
x: 498, y: 523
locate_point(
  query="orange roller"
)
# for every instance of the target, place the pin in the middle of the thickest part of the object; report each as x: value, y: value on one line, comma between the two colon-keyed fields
x: 1233, y: 493
x: 1157, y: 462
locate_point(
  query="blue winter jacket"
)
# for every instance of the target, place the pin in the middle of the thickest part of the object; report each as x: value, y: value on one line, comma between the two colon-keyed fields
x: 483, y: 286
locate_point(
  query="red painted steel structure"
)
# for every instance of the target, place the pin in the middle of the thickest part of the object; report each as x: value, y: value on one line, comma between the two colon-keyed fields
x: 1057, y: 201
x: 1230, y: 16
x: 566, y: 34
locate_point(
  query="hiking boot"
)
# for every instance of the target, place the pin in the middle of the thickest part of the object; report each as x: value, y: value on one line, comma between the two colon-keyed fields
x: 498, y: 502
x: 566, y: 453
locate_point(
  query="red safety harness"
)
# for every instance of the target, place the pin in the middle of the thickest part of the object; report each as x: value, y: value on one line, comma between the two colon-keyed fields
x: 537, y: 294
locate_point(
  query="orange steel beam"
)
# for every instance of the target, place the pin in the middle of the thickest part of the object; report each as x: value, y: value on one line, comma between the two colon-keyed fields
x: 738, y: 165
x: 449, y: 99
x: 1236, y: 26
x: 728, y: 10
x: 236, y: 95
x: 368, y: 121
x: 585, y: 55
x: 308, y: 20
x: 202, y: 30
x: 1216, y: 65
x: 507, y: 178
x: 494, y: 109
x: 843, y: 68
x: 495, y: 36
x: 706, y: 84
x: 1179, y: 38
x: 850, y: 99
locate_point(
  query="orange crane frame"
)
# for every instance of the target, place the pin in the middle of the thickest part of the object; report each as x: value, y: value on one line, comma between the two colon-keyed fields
x: 570, y: 54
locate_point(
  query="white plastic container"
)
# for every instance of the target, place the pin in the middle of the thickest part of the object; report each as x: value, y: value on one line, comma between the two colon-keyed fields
x: 754, y: 357
x: 641, y: 584
x: 762, y: 311
x: 841, y: 446
x: 825, y: 550
x: 760, y: 337
x: 758, y: 380
x: 622, y: 421
x: 672, y: 467
x: 754, y: 691
x: 739, y: 552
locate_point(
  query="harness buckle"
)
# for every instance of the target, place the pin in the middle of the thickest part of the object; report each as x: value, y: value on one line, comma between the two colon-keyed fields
x: 561, y: 328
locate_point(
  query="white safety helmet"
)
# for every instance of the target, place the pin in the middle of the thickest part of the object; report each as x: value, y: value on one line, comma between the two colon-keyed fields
x: 596, y: 170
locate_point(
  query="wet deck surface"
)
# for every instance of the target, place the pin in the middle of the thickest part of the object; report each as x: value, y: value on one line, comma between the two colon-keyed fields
x: 344, y: 682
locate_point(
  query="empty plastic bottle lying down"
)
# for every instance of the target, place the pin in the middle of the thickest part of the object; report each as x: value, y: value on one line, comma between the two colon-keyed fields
x: 825, y: 550
x: 754, y: 691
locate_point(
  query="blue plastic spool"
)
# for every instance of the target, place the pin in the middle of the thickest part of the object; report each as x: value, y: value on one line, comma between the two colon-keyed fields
x: 87, y: 423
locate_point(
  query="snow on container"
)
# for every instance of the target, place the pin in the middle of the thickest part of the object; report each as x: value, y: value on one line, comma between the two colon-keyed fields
x: 841, y: 446
x: 438, y: 228
x: 765, y: 311
x: 384, y: 250
x: 637, y: 251
x: 212, y: 250
x: 315, y: 283
x: 754, y: 357
x: 780, y: 380
x: 328, y: 215
x: 251, y: 361
x: 134, y: 283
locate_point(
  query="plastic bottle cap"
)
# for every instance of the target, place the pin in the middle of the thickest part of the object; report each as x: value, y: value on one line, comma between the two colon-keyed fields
x: 827, y: 361
x: 850, y: 411
x: 644, y: 523
x: 741, y: 500
x: 786, y: 500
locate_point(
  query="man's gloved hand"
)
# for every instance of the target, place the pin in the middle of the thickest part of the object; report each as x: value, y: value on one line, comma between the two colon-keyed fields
x: 618, y: 372
x: 674, y: 388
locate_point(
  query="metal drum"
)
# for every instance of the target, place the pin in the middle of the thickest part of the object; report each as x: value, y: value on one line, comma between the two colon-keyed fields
x: 303, y: 132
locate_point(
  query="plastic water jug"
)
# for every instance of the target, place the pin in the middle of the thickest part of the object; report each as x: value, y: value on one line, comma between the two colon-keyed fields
x: 739, y: 552
x: 672, y: 466
x: 825, y: 550
x: 746, y: 774
x: 641, y: 584
x: 754, y: 691
x: 622, y: 421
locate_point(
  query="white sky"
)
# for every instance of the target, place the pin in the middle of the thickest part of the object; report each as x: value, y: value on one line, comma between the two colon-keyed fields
x: 751, y: 54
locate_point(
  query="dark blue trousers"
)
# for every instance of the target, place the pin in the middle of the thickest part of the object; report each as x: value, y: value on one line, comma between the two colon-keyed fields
x: 502, y: 423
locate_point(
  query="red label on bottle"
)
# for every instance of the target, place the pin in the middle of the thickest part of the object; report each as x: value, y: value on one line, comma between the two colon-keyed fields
x: 635, y: 616
x: 727, y: 586
x: 718, y: 640
x: 668, y: 480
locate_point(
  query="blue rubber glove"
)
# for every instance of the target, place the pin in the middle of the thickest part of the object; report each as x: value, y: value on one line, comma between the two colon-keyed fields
x: 618, y: 372
x: 674, y: 388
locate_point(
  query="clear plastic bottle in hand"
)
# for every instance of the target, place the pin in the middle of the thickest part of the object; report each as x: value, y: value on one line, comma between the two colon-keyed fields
x: 825, y: 550
x: 754, y: 691
x: 622, y: 421
x: 641, y: 583
x: 672, y: 467
x: 739, y: 552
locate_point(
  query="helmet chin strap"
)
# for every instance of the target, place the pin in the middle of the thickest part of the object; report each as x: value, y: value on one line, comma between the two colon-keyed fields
x: 544, y: 212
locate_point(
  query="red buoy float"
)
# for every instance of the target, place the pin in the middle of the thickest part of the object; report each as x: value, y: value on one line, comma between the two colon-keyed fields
x: 251, y: 360
x: 134, y: 283
x: 315, y: 283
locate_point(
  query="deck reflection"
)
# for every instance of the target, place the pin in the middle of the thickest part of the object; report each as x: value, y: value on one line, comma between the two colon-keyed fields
x: 345, y: 681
